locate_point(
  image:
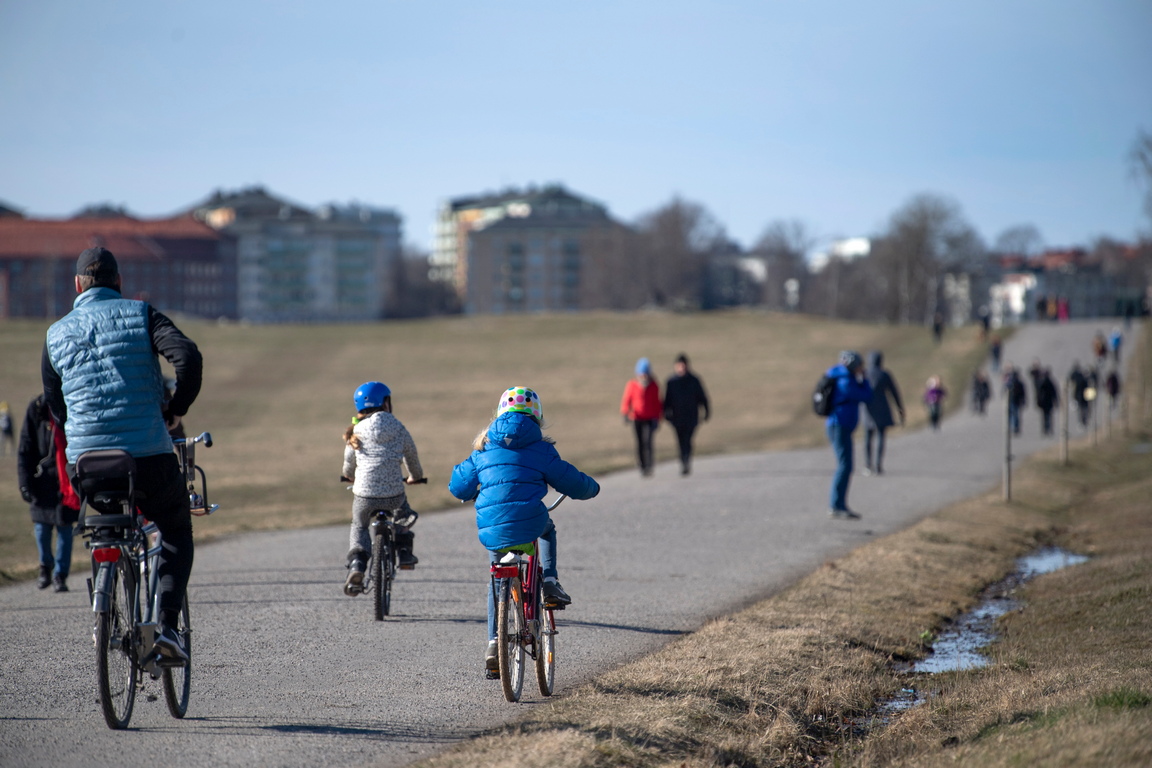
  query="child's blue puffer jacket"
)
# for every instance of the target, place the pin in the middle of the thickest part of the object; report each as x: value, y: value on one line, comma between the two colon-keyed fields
x: 513, y: 473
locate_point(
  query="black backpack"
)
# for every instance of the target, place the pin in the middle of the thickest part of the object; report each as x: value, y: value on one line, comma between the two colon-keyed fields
x: 823, y: 394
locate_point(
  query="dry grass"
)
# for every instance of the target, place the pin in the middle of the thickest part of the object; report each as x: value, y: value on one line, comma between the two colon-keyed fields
x: 277, y: 398
x: 795, y: 679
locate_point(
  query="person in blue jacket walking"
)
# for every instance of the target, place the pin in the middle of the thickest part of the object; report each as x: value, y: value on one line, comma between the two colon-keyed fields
x: 508, y: 474
x: 851, y: 390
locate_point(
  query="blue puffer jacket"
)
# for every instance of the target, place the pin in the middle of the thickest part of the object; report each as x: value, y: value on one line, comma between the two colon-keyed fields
x: 849, y: 394
x: 110, y: 376
x: 509, y: 479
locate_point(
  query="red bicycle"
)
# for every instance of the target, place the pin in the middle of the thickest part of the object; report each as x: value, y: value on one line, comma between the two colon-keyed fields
x: 524, y: 626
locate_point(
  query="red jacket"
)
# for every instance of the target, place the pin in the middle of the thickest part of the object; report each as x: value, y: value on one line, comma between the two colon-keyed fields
x: 642, y: 403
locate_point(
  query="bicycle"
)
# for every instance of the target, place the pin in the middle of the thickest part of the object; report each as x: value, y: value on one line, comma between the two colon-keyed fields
x: 382, y: 565
x: 524, y: 625
x: 124, y: 587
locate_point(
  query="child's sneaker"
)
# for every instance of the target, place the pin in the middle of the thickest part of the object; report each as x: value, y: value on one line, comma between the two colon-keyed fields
x: 491, y: 662
x: 407, y: 561
x: 555, y: 598
x: 354, y: 585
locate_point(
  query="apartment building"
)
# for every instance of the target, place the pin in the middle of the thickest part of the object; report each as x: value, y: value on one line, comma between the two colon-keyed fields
x: 531, y: 251
x: 294, y: 264
x: 178, y: 264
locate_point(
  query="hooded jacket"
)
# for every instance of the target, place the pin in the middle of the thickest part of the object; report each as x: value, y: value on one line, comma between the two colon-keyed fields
x: 849, y: 394
x: 509, y: 478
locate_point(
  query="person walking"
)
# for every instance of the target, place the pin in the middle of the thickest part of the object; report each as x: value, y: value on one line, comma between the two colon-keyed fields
x: 981, y: 392
x: 878, y: 412
x: 7, y: 440
x: 934, y: 394
x: 1079, y: 383
x: 851, y: 389
x: 1115, y: 341
x: 995, y: 348
x: 1112, y: 387
x: 1017, y: 396
x: 684, y: 396
x: 641, y: 405
x: 1047, y: 398
x: 53, y: 505
x: 103, y: 385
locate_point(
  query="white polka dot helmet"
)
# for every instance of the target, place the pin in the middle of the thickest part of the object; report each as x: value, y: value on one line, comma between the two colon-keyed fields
x: 520, y: 400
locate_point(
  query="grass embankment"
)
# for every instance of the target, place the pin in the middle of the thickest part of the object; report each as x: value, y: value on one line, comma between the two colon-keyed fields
x: 795, y: 679
x: 277, y: 398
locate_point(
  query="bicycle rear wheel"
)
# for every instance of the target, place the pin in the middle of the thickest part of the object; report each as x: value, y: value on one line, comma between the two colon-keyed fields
x: 383, y: 572
x: 116, y: 664
x: 178, y: 679
x: 546, y: 650
x: 510, y: 638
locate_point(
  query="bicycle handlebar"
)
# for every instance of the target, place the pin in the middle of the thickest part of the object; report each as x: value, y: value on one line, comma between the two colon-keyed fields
x: 556, y: 503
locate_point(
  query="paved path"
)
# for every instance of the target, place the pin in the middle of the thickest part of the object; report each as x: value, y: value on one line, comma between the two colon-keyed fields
x: 291, y: 673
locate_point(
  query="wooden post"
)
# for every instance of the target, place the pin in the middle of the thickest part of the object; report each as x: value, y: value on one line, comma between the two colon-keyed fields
x: 1008, y: 445
x: 1065, y: 407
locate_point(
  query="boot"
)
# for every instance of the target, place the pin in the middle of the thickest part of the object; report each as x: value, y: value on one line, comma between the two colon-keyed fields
x: 58, y: 584
x: 45, y: 577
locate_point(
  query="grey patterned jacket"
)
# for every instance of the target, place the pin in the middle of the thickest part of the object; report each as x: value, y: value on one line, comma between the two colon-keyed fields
x: 387, y: 454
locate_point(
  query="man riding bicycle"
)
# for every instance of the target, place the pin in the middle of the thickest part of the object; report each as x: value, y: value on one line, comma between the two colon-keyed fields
x: 103, y: 383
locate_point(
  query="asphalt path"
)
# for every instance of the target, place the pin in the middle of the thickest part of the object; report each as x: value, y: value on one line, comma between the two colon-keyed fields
x: 289, y: 672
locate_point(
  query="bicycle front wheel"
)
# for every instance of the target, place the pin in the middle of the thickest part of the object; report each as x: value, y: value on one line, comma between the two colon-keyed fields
x: 116, y: 664
x: 546, y: 651
x: 510, y: 638
x: 383, y: 572
x: 178, y: 679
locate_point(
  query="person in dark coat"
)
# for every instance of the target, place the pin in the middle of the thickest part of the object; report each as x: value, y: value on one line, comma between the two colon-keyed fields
x: 878, y: 414
x: 1046, y: 399
x: 1079, y: 383
x: 1017, y: 396
x: 981, y: 392
x: 684, y: 396
x: 39, y: 483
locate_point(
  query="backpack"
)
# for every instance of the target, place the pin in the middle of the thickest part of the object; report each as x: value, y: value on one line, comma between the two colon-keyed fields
x: 823, y: 394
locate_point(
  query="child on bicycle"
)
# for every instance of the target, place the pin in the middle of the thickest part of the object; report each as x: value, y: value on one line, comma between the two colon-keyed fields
x: 511, y: 466
x: 377, y: 455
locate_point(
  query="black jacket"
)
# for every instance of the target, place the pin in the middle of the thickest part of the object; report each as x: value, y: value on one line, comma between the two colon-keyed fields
x: 683, y: 398
x: 36, y: 468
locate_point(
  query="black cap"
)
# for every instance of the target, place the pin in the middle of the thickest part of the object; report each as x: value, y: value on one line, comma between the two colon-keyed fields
x: 98, y: 262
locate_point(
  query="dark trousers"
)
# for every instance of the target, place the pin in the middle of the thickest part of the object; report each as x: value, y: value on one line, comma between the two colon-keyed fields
x: 645, y: 429
x: 162, y: 497
x: 880, y: 442
x: 1047, y: 413
x: 684, y: 434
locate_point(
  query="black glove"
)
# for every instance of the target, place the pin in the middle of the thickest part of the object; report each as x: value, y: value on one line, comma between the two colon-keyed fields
x: 26, y: 495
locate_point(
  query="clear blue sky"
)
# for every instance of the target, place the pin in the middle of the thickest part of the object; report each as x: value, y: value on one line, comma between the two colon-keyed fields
x: 834, y: 113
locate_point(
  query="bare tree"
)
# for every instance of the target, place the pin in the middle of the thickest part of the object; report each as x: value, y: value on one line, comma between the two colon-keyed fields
x: 411, y: 293
x: 925, y: 237
x: 1020, y: 240
x: 1140, y: 159
x: 674, y: 245
x: 784, y: 247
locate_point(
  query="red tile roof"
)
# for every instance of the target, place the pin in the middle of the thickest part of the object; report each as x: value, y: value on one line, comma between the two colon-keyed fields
x: 128, y: 238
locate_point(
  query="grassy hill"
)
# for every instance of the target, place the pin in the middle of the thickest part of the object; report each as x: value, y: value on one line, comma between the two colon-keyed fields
x: 277, y: 398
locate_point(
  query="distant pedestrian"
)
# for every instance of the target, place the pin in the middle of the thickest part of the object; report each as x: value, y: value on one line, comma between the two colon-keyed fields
x: 1115, y: 340
x: 981, y: 392
x: 642, y: 406
x: 938, y: 327
x: 7, y: 441
x: 1017, y: 396
x: 1063, y: 310
x: 851, y: 390
x: 53, y: 504
x: 684, y: 396
x: 1099, y: 349
x: 1047, y: 398
x: 878, y: 413
x: 1112, y: 387
x: 1079, y: 384
x: 985, y: 321
x: 934, y: 394
x: 995, y: 348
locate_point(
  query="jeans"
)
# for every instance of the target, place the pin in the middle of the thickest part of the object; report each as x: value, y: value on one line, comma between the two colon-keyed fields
x: 880, y: 440
x: 841, y: 440
x: 1014, y: 418
x: 63, y: 563
x: 645, y: 429
x: 545, y: 550
x: 684, y: 434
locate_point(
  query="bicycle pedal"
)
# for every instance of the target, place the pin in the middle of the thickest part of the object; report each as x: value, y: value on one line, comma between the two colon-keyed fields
x: 406, y: 567
x: 491, y: 674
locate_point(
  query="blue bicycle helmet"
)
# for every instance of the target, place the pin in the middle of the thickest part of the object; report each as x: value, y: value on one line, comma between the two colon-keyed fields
x: 370, y: 394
